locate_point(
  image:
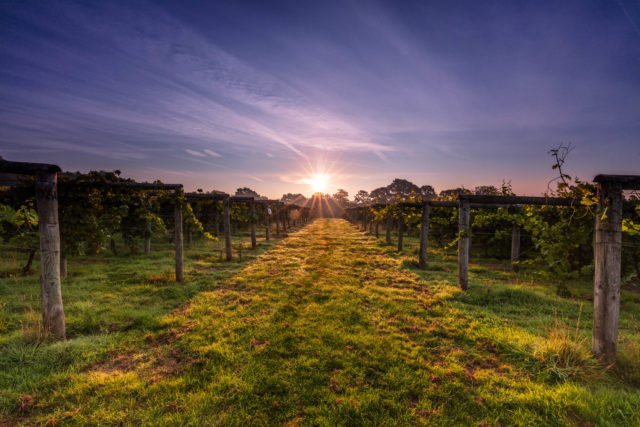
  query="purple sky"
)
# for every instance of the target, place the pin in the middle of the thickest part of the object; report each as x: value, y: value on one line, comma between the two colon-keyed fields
x: 216, y: 95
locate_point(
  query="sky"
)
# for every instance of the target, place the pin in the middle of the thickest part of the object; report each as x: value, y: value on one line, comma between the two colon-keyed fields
x: 268, y: 94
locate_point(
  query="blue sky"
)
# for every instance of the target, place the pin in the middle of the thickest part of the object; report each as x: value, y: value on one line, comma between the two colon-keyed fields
x: 230, y: 94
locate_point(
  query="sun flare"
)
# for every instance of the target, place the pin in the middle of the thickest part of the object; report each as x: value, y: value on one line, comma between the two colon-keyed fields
x: 319, y: 183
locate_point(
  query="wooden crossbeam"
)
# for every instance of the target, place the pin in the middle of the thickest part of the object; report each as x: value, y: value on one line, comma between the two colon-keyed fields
x: 520, y: 200
x: 26, y: 168
x: 206, y: 196
x: 628, y: 182
x: 133, y: 185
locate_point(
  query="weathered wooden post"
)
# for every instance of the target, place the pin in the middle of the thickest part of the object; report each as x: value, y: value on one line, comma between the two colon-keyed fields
x: 606, y: 285
x: 370, y: 222
x: 364, y: 219
x: 217, y: 220
x: 283, y: 218
x: 226, y: 224
x: 266, y: 222
x: 277, y: 220
x: 424, y: 235
x: 464, y: 232
x: 147, y: 238
x: 178, y: 239
x: 400, y: 227
x: 389, y: 225
x: 608, y: 248
x: 515, y: 247
x: 50, y: 287
x: 252, y: 212
x: 377, y: 229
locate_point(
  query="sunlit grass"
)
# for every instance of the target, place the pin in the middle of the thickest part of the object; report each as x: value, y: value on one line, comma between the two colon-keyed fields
x: 328, y: 327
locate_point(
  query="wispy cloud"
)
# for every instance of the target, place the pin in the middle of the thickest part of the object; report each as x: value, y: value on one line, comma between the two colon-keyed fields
x: 211, y: 153
x: 195, y: 153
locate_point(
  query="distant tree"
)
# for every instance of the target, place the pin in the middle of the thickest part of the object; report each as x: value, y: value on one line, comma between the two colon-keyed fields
x: 341, y: 197
x: 427, y: 192
x: 454, y: 192
x: 246, y: 191
x: 505, y: 188
x: 362, y: 198
x: 486, y: 190
x: 381, y: 195
x: 294, y: 199
x: 402, y: 189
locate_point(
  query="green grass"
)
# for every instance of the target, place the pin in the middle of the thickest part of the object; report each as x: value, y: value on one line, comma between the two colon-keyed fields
x: 330, y: 326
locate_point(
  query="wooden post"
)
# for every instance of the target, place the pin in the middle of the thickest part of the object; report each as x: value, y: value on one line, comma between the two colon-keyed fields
x: 147, y: 239
x: 389, y: 225
x: 178, y: 241
x: 377, y: 228
x: 277, y: 220
x: 50, y: 287
x: 252, y: 212
x: 606, y: 284
x: 226, y: 224
x: 464, y: 231
x: 400, y: 229
x: 424, y: 235
x: 266, y: 222
x: 283, y: 218
x: 217, y: 220
x: 370, y: 223
x: 515, y: 247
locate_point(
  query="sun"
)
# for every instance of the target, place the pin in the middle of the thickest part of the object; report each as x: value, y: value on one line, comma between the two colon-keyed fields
x: 319, y: 183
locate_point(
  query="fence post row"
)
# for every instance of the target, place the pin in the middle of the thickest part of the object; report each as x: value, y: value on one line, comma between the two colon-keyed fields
x: 226, y: 216
x: 607, y: 246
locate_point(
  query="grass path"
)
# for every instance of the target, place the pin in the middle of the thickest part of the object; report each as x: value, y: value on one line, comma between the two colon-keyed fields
x: 329, y: 328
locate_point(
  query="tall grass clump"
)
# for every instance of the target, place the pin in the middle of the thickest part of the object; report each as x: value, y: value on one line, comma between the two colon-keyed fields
x: 32, y: 328
x: 565, y: 355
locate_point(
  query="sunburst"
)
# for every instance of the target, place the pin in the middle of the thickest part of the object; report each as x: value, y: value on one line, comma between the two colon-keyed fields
x: 319, y: 183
